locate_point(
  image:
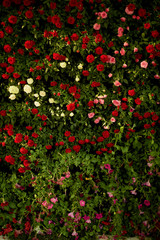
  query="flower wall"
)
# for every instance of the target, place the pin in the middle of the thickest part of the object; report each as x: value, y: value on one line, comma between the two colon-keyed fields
x: 80, y: 118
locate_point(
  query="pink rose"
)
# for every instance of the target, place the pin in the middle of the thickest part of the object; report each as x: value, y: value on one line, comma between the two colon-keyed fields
x: 117, y: 83
x: 157, y: 76
x: 128, y: 11
x: 110, y: 75
x: 103, y: 14
x: 123, y: 19
x: 125, y: 44
x: 96, y: 26
x: 147, y: 203
x: 113, y: 119
x: 122, y: 52
x: 124, y: 65
x: 95, y: 101
x: 82, y: 203
x: 116, y: 103
x: 50, y: 206
x: 116, y: 52
x: 96, y: 121
x: 112, y: 60
x: 144, y: 64
x: 91, y: 115
x: 54, y: 200
x: 101, y: 101
x: 71, y: 214
x: 135, y: 50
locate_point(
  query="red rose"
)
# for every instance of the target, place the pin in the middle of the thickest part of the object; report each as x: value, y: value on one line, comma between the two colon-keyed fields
x: 147, y: 25
x: 99, y: 50
x: 74, y: 37
x: 90, y: 58
x: 71, y: 139
x: 147, y: 115
x: 71, y: 107
x: 21, y: 51
x: 7, y: 48
x: 95, y: 84
x: 71, y: 20
x: 3, y: 113
x: 44, y: 117
x: 90, y: 104
x: 6, y: 3
x: 5, y: 76
x: 73, y: 3
x: 100, y: 139
x: 21, y: 170
x: 26, y: 163
x: 105, y: 134
x: 30, y: 143
x: 53, y: 84
x: 35, y: 135
x: 155, y: 117
x: 11, y: 60
x: 146, y: 126
x: 12, y: 19
x: 85, y: 39
x: 48, y: 147
x: 84, y: 46
x: 115, y: 113
x: 155, y: 34
x: 68, y: 150
x: 72, y: 89
x: 35, y: 111
x: 1, y: 34
x: 131, y: 92
x: 76, y: 148
x: 16, y: 75
x: 150, y: 48
x: 124, y: 106
x: 142, y: 12
x: 67, y: 133
x: 18, y: 138
x: 29, y: 14
x: 110, y: 144
x: 52, y: 5
x: 29, y: 44
x: 158, y: 46
x: 131, y: 7
x: 138, y: 101
x: 110, y: 44
x: 85, y: 73
x: 23, y: 150
x: 10, y: 159
x: 104, y: 58
x: 10, y: 69
x: 100, y: 67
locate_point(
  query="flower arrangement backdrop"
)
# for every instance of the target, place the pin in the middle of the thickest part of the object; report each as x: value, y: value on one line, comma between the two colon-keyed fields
x: 80, y: 118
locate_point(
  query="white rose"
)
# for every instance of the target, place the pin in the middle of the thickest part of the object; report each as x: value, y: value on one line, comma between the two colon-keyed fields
x: 36, y: 95
x: 71, y: 114
x: 27, y: 89
x: 62, y: 115
x: 51, y: 100
x: 77, y: 79
x: 12, y: 96
x: 13, y: 89
x: 63, y: 64
x: 66, y: 59
x: 80, y: 66
x: 37, y: 104
x: 42, y: 93
x: 30, y: 80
